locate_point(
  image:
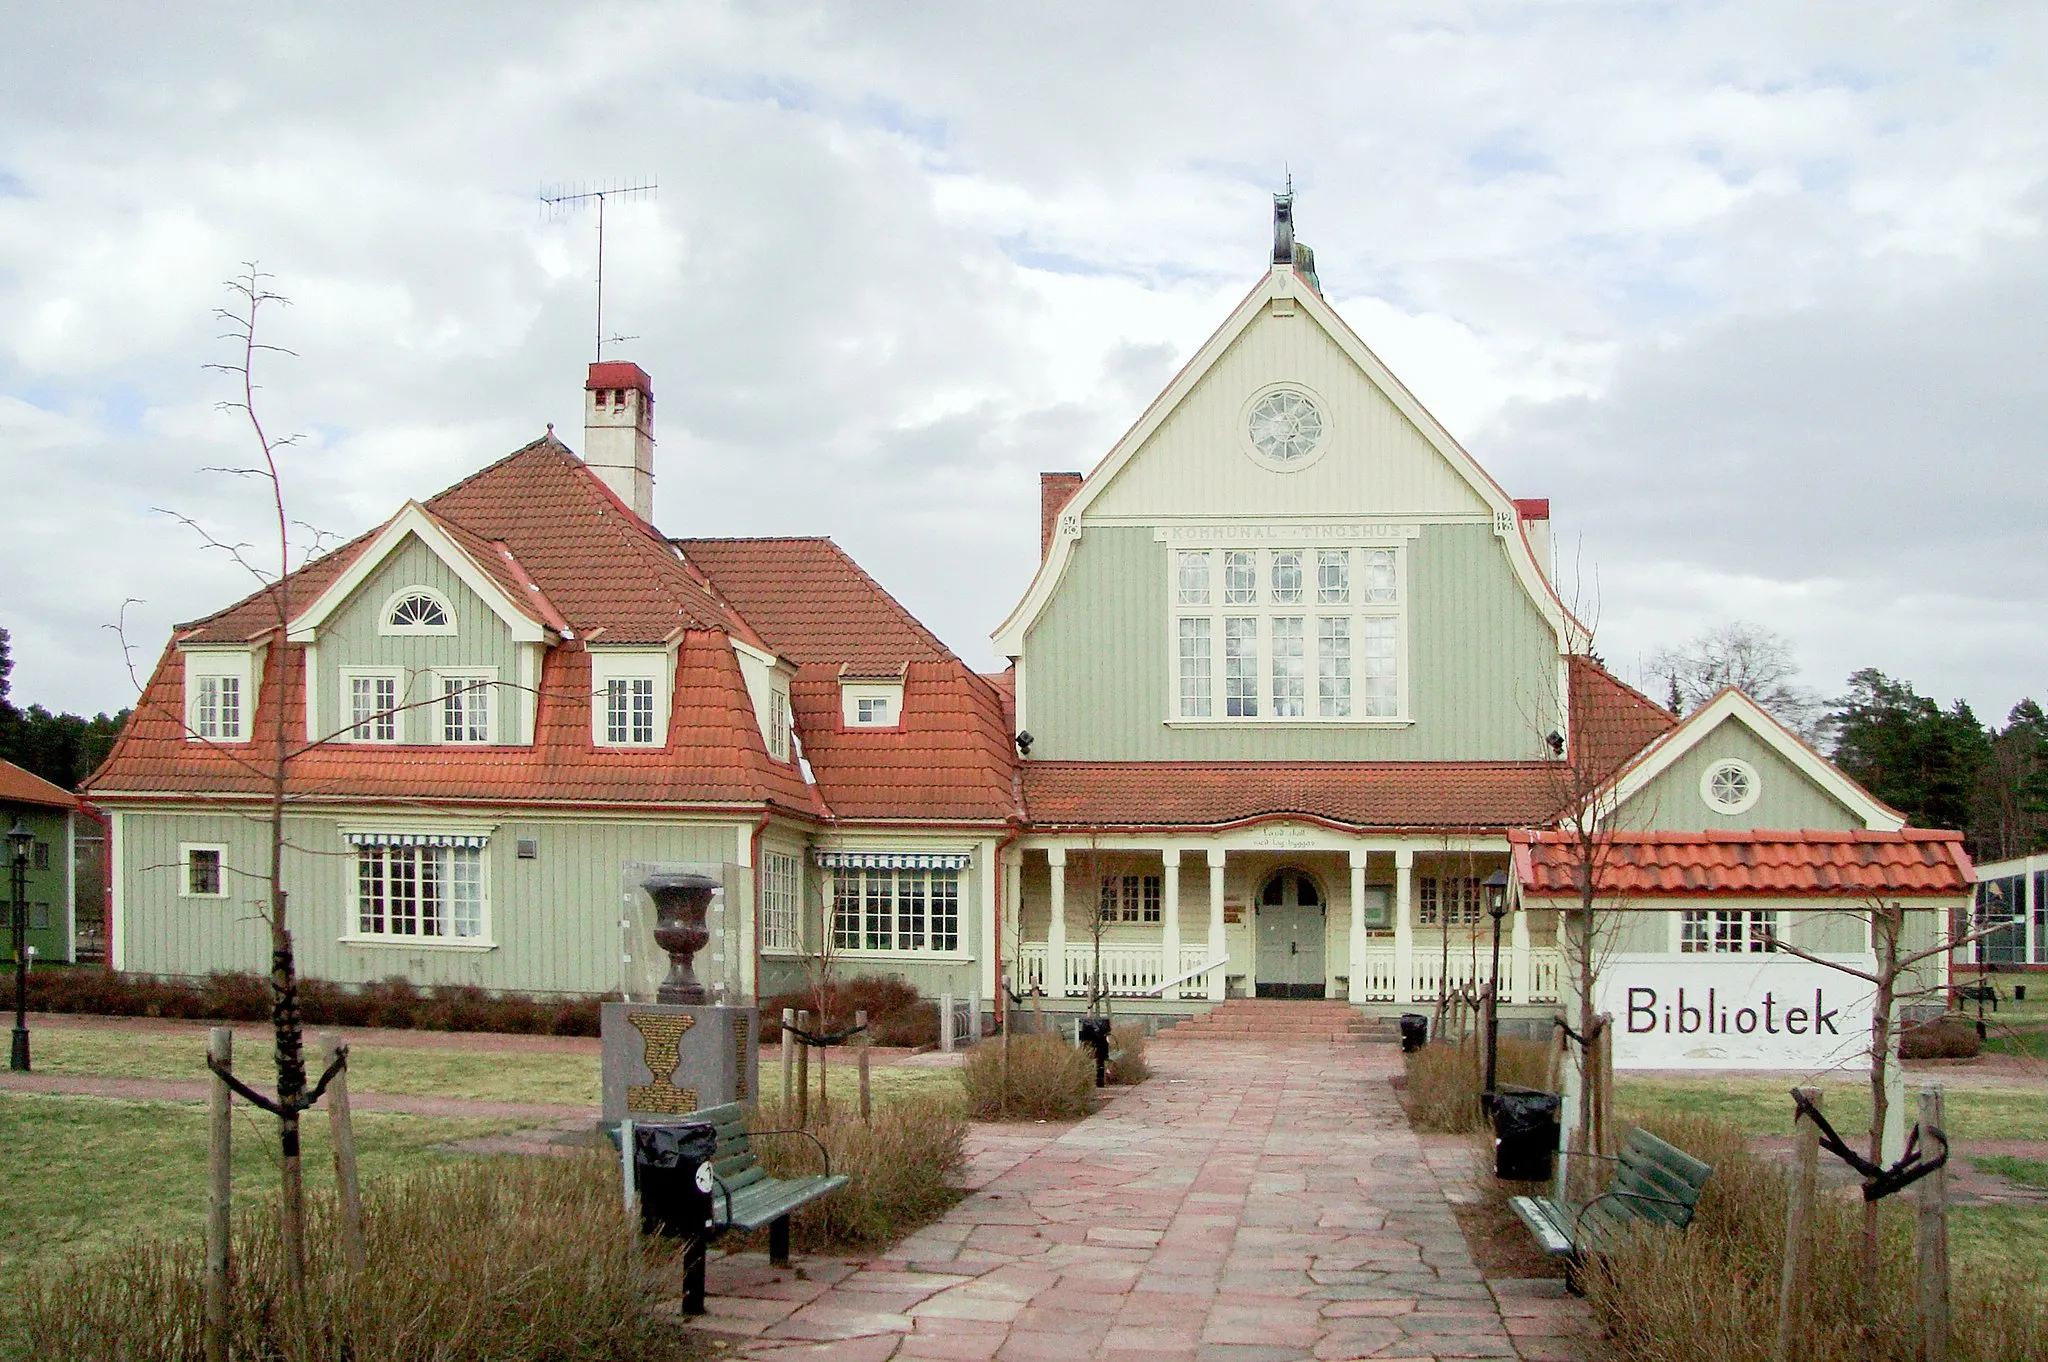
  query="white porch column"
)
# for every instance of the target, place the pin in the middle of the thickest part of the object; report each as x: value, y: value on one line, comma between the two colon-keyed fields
x: 1056, y: 929
x: 1358, y: 859
x: 1169, y: 919
x: 1218, y: 948
x: 1520, y: 980
x: 1013, y: 911
x: 1404, y: 926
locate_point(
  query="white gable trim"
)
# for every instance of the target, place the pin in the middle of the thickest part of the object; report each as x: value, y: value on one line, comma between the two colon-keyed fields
x: 1283, y: 282
x: 413, y: 519
x: 1732, y: 704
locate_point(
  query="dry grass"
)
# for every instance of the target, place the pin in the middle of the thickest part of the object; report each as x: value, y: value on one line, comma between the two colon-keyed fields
x: 506, y: 1259
x: 1127, y: 1064
x: 904, y: 1168
x: 1444, y: 1080
x: 1044, y: 1079
x: 1711, y: 1294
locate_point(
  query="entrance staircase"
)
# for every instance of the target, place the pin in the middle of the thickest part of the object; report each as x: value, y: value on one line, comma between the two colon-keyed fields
x: 1285, y: 1019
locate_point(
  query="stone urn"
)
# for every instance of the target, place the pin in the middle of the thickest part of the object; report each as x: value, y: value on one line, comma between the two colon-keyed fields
x: 681, y: 901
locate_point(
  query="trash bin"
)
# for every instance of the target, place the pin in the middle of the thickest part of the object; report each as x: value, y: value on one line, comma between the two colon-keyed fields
x: 1524, y: 1134
x: 1414, y: 1032
x: 667, y: 1159
x: 1093, y: 1033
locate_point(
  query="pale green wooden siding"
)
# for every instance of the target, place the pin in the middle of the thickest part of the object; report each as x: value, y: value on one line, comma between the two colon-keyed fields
x: 350, y: 639
x: 1482, y: 664
x: 1790, y: 798
x: 554, y: 918
x: 47, y: 892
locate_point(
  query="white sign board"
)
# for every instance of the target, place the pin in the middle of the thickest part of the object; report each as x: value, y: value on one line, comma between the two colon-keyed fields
x: 1749, y: 1011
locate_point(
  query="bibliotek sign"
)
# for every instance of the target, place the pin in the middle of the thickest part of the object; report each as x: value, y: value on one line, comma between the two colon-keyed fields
x: 1750, y: 1011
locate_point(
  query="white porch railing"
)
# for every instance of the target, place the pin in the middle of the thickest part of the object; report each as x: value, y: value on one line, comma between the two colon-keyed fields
x: 1128, y: 971
x: 1428, y: 976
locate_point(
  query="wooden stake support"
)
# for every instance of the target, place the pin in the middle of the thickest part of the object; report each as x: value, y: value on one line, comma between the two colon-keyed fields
x: 867, y: 1111
x: 348, y: 1190
x: 1930, y: 1240
x: 803, y: 1076
x: 220, y: 1173
x: 788, y: 1057
x: 1798, y: 1268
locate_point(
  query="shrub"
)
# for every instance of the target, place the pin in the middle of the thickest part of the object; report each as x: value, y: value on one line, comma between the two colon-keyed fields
x: 1943, y: 1038
x: 393, y: 1002
x: 897, y: 1013
x: 504, y: 1258
x: 1711, y: 1294
x: 901, y: 1166
x: 1127, y: 1056
x: 1045, y: 1078
x: 1445, y: 1079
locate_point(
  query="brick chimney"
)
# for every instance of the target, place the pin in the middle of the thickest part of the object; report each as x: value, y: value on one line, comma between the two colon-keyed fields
x: 618, y: 432
x: 1055, y: 490
x: 1534, y: 513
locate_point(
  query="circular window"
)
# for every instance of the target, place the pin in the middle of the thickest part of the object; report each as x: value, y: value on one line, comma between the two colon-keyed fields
x: 1730, y: 786
x: 1285, y: 427
x: 417, y: 610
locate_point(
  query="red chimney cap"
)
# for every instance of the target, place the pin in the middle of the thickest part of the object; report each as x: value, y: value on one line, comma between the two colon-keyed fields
x: 619, y: 373
x: 1528, y: 508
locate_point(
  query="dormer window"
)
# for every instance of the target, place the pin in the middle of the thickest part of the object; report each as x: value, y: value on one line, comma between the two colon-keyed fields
x: 872, y: 709
x: 871, y: 700
x: 220, y: 685
x: 417, y: 610
x: 629, y: 697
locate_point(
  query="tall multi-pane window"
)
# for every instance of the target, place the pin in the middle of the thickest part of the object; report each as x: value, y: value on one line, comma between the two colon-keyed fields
x: 1449, y: 901
x: 1256, y: 604
x: 780, y: 887
x: 778, y: 724
x: 465, y: 709
x: 896, y: 910
x: 373, y: 708
x: 629, y: 709
x: 217, y: 711
x: 1132, y: 898
x: 420, y: 891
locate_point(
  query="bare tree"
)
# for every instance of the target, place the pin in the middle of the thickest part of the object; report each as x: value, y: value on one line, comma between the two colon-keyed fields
x: 1755, y: 660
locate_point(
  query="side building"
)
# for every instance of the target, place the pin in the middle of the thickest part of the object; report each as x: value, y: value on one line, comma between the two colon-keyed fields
x: 51, y: 818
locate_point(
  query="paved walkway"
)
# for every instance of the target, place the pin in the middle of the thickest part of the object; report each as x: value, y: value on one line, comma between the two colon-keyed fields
x: 1251, y: 1203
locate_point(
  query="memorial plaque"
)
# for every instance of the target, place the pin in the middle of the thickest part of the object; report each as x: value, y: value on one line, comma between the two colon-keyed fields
x: 664, y: 1060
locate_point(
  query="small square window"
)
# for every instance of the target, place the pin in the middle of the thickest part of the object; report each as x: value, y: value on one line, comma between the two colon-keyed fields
x: 874, y: 711
x: 42, y: 855
x: 39, y: 917
x: 202, y: 872
x: 529, y: 849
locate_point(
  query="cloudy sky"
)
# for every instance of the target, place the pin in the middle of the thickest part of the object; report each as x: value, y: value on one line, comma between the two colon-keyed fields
x: 1755, y: 292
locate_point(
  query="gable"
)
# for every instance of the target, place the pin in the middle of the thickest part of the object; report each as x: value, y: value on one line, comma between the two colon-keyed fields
x: 1790, y: 795
x: 1374, y: 459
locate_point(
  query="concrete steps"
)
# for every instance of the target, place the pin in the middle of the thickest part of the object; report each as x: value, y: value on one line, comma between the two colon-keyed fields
x: 1286, y: 1019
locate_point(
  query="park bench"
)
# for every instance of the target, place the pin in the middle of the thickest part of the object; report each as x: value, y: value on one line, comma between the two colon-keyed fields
x: 1655, y: 1183
x: 1983, y: 991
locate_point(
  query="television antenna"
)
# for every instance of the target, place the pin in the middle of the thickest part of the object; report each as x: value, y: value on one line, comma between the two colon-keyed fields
x: 561, y: 200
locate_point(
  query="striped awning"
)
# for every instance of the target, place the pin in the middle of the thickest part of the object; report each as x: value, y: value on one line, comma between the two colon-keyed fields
x: 894, y: 860
x: 417, y: 839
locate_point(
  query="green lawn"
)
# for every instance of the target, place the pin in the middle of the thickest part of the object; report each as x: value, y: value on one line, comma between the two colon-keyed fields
x: 1763, y: 1106
x: 2033, y: 1172
x: 1997, y: 1238
x: 884, y: 1084
x: 400, y: 1070
x: 86, y: 1173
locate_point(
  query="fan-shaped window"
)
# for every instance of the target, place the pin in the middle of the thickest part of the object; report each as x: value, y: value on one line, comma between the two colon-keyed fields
x: 418, y: 611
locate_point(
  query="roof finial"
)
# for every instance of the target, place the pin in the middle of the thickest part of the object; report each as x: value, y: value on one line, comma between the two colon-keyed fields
x: 1283, y: 224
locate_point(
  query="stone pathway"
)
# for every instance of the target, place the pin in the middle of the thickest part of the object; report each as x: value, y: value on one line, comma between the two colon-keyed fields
x: 1251, y: 1203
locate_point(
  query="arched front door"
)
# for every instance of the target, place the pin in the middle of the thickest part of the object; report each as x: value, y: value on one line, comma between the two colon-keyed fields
x: 1290, y: 927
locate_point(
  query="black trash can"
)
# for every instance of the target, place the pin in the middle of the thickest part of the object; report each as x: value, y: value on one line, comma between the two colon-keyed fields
x: 1525, y: 1131
x: 1414, y: 1032
x: 1093, y: 1034
x: 666, y: 1158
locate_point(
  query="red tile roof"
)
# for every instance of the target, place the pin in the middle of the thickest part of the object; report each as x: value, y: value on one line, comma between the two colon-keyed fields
x: 1808, y: 863
x: 25, y: 787
x: 1611, y: 722
x: 949, y: 761
x: 812, y: 603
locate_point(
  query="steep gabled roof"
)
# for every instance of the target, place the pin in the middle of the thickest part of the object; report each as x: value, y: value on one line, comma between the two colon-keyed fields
x: 1797, y: 864
x: 812, y: 603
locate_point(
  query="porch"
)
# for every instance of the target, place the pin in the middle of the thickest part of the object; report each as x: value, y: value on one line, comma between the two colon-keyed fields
x: 1138, y: 971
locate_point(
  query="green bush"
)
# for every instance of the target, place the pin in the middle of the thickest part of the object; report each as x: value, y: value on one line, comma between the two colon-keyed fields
x: 504, y: 1258
x: 897, y: 1013
x: 1127, y: 1056
x: 1711, y: 1293
x: 904, y: 1167
x: 1948, y: 1037
x: 1018, y: 1078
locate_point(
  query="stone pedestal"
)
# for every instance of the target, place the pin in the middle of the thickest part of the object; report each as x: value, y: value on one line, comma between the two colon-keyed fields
x: 661, y: 1061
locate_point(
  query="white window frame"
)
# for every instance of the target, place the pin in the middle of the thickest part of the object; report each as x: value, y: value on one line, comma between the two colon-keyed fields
x: 487, y: 693
x: 353, y: 933
x: 782, y: 927
x: 866, y: 904
x: 346, y: 699
x: 1735, y: 765
x: 851, y: 693
x: 779, y: 722
x: 185, y: 850
x: 607, y: 666
x: 1308, y: 607
x: 1728, y: 931
x: 237, y: 665
x: 385, y: 626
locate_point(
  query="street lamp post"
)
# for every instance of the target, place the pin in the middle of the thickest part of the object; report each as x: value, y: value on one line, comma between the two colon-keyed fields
x: 1496, y: 908
x: 19, y: 839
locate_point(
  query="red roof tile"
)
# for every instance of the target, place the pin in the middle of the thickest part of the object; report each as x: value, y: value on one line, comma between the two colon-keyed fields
x: 1805, y: 863
x: 949, y: 760
x: 1611, y: 722
x: 25, y: 787
x: 812, y: 603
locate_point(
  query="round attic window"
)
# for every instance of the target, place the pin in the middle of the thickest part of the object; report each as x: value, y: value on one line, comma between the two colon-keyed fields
x: 417, y: 610
x: 1731, y: 786
x: 1285, y: 427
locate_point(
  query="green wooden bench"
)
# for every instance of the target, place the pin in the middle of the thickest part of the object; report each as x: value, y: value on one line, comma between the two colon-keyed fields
x: 746, y: 1198
x: 1654, y: 1183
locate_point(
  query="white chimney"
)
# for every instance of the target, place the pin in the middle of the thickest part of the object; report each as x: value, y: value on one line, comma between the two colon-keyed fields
x: 618, y: 432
